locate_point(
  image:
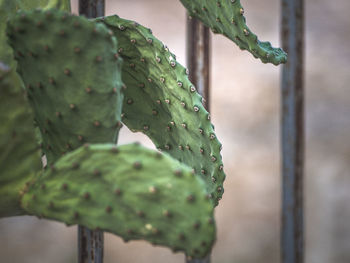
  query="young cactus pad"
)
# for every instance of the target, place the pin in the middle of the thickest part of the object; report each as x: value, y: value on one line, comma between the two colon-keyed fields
x: 130, y: 191
x: 72, y: 76
x: 226, y: 17
x: 161, y: 102
x: 19, y: 152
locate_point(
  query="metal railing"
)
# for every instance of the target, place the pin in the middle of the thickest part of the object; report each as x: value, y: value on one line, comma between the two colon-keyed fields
x: 292, y: 125
x: 292, y: 137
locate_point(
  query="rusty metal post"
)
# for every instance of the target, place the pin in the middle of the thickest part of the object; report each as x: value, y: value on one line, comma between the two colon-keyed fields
x: 198, y: 59
x: 90, y: 242
x: 292, y: 232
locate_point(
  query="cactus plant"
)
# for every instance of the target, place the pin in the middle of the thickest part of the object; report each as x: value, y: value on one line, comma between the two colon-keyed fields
x: 84, y: 56
x: 8, y: 7
x: 131, y: 191
x: 80, y: 93
x: 16, y: 133
x: 226, y: 17
x: 165, y: 105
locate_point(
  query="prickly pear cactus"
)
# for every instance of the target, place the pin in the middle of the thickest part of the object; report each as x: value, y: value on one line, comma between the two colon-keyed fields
x: 72, y: 76
x: 71, y: 71
x: 161, y: 102
x: 71, y: 68
x: 131, y: 191
x: 226, y: 17
x: 19, y: 155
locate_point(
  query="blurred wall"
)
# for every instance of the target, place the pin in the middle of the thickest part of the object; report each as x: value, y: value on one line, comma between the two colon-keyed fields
x: 245, y: 111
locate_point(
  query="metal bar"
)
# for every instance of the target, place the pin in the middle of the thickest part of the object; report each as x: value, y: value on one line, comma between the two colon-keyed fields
x: 203, y: 260
x: 90, y: 242
x: 92, y: 8
x: 292, y: 232
x: 90, y: 245
x: 198, y: 59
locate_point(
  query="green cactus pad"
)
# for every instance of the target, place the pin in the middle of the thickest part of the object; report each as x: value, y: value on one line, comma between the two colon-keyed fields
x: 63, y: 5
x: 9, y: 8
x: 19, y: 157
x: 161, y: 102
x: 226, y: 17
x: 19, y: 153
x: 130, y: 191
x: 72, y: 75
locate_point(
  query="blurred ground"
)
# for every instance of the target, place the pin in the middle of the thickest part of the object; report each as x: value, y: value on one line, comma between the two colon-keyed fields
x: 245, y: 111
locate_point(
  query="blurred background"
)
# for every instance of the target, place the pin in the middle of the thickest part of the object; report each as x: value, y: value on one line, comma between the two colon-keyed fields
x: 245, y: 110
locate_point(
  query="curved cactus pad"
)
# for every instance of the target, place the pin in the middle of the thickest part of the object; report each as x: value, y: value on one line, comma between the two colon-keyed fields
x: 226, y: 17
x: 19, y: 153
x: 161, y: 102
x: 131, y: 191
x: 72, y: 76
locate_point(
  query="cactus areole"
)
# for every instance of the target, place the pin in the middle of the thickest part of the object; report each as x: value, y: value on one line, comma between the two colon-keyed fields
x: 68, y: 83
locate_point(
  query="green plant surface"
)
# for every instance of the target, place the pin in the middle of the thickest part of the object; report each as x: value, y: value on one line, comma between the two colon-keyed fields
x: 130, y: 191
x: 72, y: 76
x: 63, y: 5
x: 8, y: 8
x: 161, y: 102
x: 226, y: 17
x: 19, y: 152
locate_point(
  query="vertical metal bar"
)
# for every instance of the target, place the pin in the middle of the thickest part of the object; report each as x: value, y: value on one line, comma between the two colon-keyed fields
x: 204, y: 260
x: 92, y: 8
x: 198, y: 59
x: 90, y: 242
x: 90, y: 245
x: 292, y: 233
